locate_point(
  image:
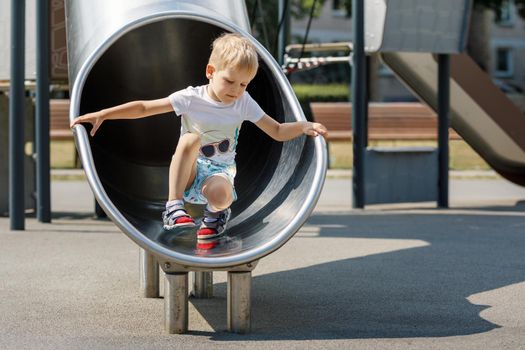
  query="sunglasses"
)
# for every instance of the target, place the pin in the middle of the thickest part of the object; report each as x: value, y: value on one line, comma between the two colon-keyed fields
x: 210, y: 149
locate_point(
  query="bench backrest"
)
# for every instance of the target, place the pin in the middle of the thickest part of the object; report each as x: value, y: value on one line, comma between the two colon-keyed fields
x: 402, y: 120
x: 59, y: 120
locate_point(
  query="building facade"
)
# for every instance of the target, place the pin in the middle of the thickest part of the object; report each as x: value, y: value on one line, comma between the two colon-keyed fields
x: 506, y: 49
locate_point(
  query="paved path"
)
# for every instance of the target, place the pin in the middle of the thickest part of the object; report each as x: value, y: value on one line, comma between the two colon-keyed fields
x: 388, y: 277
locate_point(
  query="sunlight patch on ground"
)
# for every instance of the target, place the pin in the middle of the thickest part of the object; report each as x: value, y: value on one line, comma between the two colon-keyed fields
x: 503, y: 304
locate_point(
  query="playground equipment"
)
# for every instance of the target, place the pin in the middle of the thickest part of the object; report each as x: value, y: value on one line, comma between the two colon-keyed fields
x: 28, y: 160
x: 480, y: 112
x: 126, y: 50
x: 408, y: 36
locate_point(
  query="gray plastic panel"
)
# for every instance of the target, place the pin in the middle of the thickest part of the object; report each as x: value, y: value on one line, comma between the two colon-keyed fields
x: 398, y: 175
x: 416, y: 25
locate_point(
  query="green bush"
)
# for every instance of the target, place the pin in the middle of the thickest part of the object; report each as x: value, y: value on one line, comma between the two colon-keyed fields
x: 307, y: 93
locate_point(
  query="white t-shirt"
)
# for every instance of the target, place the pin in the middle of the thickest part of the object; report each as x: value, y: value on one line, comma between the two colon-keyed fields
x: 214, y: 121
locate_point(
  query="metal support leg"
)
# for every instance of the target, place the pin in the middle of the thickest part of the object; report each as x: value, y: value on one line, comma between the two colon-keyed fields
x: 359, y: 105
x: 149, y: 275
x: 202, y: 284
x: 176, y: 302
x: 443, y: 125
x: 239, y: 301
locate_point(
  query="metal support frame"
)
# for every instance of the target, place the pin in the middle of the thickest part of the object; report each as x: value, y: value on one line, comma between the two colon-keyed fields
x: 17, y: 117
x: 239, y: 301
x: 176, y: 302
x: 358, y: 105
x: 296, y: 64
x: 149, y: 275
x: 443, y: 125
x: 202, y: 286
x: 176, y: 295
x: 43, y: 198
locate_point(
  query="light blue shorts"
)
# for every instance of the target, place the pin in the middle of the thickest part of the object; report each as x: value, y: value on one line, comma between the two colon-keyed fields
x: 205, y: 169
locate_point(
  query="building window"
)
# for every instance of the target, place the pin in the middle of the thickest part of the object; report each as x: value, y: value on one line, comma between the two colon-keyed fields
x: 507, y: 14
x: 504, y: 63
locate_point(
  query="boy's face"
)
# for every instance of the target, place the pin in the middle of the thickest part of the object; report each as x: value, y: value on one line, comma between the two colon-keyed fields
x: 227, y: 85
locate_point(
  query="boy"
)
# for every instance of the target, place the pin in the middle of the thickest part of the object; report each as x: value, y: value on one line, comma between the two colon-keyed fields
x: 202, y: 170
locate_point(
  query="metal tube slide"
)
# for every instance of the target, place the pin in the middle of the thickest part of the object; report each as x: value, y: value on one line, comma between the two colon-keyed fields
x: 124, y: 50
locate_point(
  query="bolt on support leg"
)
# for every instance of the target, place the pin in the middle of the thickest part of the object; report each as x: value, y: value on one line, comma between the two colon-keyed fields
x: 239, y: 301
x: 176, y: 302
x: 202, y: 284
x: 149, y: 275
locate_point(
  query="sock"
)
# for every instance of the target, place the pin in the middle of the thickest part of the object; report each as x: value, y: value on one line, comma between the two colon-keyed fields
x: 211, y: 209
x: 175, y: 202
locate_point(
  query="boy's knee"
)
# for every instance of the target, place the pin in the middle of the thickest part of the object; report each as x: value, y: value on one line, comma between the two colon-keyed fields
x: 218, y: 191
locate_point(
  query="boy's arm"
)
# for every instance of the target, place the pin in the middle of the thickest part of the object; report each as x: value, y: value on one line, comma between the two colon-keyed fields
x: 130, y: 110
x: 287, y: 131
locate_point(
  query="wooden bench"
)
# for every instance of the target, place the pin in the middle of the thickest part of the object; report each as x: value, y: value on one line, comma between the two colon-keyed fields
x: 59, y: 120
x: 386, y: 121
x: 59, y: 129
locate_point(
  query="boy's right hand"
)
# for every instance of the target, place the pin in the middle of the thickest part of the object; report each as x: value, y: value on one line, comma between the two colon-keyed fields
x: 94, y: 119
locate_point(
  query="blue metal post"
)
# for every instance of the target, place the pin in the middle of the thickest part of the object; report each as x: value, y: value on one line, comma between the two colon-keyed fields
x: 443, y: 125
x: 358, y: 104
x: 43, y: 206
x: 17, y: 117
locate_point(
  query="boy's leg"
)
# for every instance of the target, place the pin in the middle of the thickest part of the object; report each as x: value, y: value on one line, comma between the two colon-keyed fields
x: 181, y: 175
x: 183, y: 165
x: 219, y: 192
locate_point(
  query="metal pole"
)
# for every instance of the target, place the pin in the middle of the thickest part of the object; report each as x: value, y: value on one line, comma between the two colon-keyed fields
x: 239, y: 301
x: 367, y: 99
x: 202, y: 284
x: 43, y: 206
x: 176, y: 303
x: 17, y: 117
x: 358, y: 104
x: 284, y: 15
x: 443, y: 125
x: 149, y: 275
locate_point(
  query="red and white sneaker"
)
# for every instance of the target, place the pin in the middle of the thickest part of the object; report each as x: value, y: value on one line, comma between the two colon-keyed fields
x: 176, y: 216
x: 213, y: 224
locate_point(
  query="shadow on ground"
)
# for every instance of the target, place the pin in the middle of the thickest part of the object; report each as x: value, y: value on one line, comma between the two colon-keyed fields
x: 418, y: 292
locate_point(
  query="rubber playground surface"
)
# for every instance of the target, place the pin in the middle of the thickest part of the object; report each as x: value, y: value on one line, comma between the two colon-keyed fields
x: 391, y: 276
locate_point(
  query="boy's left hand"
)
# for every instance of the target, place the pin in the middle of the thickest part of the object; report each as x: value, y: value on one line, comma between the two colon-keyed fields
x: 314, y: 129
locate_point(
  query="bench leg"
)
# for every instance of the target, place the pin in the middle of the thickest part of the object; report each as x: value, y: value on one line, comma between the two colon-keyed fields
x: 202, y: 284
x: 176, y: 303
x: 239, y: 301
x: 149, y: 275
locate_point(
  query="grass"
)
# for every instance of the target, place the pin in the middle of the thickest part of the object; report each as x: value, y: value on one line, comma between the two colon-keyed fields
x: 63, y: 154
x: 327, y: 92
x: 462, y: 156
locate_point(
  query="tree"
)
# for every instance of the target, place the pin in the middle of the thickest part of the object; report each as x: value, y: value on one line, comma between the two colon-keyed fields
x: 478, y: 45
x: 264, y: 18
x: 495, y: 5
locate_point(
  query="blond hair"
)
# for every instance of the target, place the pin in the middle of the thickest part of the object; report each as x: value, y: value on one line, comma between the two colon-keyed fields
x: 232, y: 50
